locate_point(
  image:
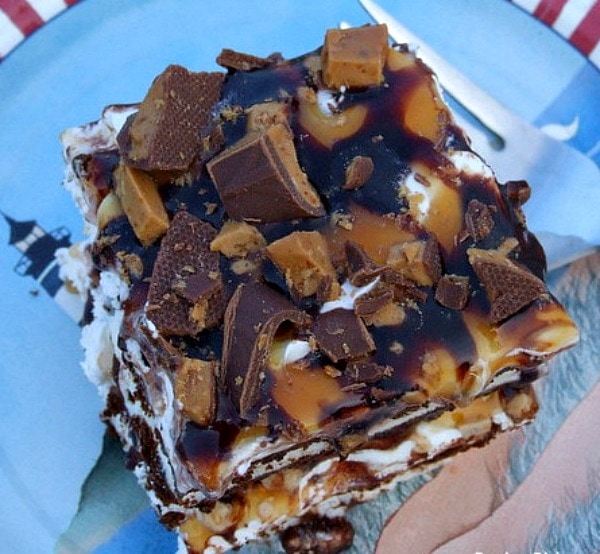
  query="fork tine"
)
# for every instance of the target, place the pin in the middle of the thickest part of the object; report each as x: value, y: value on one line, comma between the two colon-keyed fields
x: 564, y: 181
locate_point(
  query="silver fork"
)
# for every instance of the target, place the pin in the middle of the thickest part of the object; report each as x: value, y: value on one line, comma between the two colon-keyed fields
x: 565, y: 183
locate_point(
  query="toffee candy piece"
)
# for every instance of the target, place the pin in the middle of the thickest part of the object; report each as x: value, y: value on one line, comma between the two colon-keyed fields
x: 355, y: 57
x: 157, y: 138
x: 259, y: 178
x: 141, y: 202
x: 409, y: 323
x: 195, y: 388
x: 304, y: 259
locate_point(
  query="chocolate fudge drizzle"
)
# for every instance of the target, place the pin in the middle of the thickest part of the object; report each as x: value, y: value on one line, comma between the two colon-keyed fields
x: 388, y: 358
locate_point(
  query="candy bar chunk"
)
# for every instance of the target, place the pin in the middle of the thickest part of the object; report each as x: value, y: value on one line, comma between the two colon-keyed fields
x: 303, y: 257
x: 418, y: 260
x: 452, y: 291
x: 509, y: 287
x: 166, y: 133
x: 358, y: 172
x: 239, y: 61
x: 141, y: 202
x: 254, y: 314
x: 259, y: 178
x: 195, y: 388
x: 342, y: 335
x: 237, y: 239
x: 479, y: 220
x: 355, y: 57
x: 186, y: 290
x: 368, y: 304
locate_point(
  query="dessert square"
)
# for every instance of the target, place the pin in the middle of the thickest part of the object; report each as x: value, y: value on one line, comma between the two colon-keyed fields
x: 303, y: 289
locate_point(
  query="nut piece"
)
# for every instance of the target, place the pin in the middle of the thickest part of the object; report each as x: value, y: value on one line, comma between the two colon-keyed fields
x: 195, y: 388
x: 141, y: 203
x: 326, y: 536
x: 237, y: 239
x: 358, y: 172
x: 508, y: 286
x: 109, y: 209
x: 520, y: 404
x: 303, y: 258
x: 259, y: 178
x: 328, y: 127
x: 355, y: 57
x: 452, y: 291
x: 417, y: 260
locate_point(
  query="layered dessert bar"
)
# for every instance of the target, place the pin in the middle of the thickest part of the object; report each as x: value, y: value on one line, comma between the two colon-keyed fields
x: 303, y: 286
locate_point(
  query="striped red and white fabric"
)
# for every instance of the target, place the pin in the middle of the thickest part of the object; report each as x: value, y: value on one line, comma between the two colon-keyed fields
x: 20, y: 18
x: 576, y: 20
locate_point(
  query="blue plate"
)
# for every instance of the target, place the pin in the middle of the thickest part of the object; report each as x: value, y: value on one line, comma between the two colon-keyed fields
x: 108, y: 51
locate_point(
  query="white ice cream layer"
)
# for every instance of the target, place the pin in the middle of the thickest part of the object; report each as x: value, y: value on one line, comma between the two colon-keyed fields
x: 348, y: 296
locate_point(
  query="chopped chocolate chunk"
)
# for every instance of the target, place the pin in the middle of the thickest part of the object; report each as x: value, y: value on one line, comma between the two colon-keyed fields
x: 355, y: 57
x: 371, y: 302
x: 259, y: 178
x: 404, y: 289
x: 509, y: 287
x: 237, y: 239
x: 304, y: 260
x: 418, y: 260
x: 478, y: 220
x: 358, y: 172
x: 195, y: 388
x: 186, y: 292
x: 342, y: 335
x: 366, y: 371
x: 361, y: 268
x: 452, y: 291
x: 390, y: 314
x: 166, y: 133
x: 252, y: 318
x: 231, y: 59
x: 322, y: 535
